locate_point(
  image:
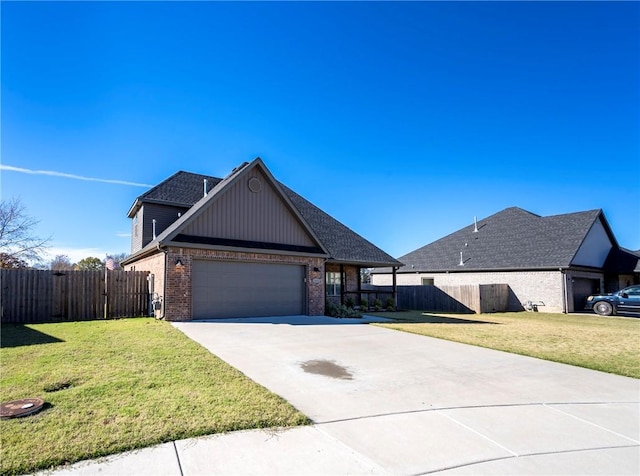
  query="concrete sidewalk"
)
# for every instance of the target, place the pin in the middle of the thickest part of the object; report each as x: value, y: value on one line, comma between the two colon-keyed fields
x: 387, y: 402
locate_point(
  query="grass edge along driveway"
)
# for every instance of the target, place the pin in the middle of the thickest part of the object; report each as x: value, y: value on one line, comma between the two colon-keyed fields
x: 118, y: 385
x: 607, y: 344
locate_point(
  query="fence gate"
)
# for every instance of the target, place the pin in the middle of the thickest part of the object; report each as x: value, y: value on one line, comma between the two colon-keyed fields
x: 29, y: 295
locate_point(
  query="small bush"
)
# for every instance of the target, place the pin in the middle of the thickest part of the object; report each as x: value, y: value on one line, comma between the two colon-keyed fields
x: 341, y: 311
x: 391, y: 304
x: 377, y: 304
x: 349, y: 302
x: 364, y: 305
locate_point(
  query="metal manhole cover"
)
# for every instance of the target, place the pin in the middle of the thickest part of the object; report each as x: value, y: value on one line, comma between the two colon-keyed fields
x: 20, y: 408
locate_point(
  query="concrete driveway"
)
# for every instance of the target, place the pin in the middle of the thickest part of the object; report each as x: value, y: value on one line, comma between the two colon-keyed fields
x: 387, y: 402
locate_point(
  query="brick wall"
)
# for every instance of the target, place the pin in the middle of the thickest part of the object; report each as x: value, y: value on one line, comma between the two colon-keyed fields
x: 525, y: 286
x: 351, y: 274
x: 155, y: 265
x: 178, y: 297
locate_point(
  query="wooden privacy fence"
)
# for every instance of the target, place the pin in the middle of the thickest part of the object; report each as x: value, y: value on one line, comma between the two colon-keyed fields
x: 455, y: 299
x: 29, y: 295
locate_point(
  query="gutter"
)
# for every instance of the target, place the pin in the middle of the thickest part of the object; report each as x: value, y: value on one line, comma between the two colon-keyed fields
x: 143, y: 253
x: 365, y: 264
x: 476, y: 270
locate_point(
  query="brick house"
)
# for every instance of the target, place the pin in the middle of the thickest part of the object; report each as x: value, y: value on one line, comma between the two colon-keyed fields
x: 557, y: 260
x: 245, y: 245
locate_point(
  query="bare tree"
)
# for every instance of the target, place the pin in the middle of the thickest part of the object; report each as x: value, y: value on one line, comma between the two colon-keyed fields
x: 61, y: 263
x: 17, y: 239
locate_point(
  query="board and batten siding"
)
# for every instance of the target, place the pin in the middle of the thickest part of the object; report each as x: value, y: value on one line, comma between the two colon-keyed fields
x: 251, y: 210
x: 164, y: 215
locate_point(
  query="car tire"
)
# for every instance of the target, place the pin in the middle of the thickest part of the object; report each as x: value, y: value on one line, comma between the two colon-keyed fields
x: 603, y: 308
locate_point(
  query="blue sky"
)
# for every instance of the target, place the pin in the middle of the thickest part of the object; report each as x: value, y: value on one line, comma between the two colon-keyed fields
x: 402, y: 120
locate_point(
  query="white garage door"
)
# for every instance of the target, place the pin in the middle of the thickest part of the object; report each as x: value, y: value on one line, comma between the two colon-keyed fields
x: 230, y: 289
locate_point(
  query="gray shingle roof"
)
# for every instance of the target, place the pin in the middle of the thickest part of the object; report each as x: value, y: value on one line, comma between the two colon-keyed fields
x: 623, y: 261
x: 511, y: 239
x: 182, y: 188
x: 342, y: 243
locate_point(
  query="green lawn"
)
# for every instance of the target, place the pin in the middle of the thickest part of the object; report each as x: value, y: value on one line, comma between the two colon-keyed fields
x: 118, y: 385
x: 607, y: 344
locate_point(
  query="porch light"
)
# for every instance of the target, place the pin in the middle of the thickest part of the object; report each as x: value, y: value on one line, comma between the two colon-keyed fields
x: 179, y: 263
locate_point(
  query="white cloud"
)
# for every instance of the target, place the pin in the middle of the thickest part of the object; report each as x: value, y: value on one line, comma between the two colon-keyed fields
x: 123, y: 235
x: 74, y: 254
x: 52, y: 173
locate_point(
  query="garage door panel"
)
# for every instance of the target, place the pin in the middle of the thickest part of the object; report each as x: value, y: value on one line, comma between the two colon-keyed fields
x: 231, y: 289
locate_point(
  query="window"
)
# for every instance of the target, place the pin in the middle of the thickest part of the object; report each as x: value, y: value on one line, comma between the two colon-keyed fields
x: 333, y: 283
x: 427, y: 281
x: 633, y: 291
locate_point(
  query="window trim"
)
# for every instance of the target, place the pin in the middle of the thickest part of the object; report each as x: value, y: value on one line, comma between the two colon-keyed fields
x: 333, y: 283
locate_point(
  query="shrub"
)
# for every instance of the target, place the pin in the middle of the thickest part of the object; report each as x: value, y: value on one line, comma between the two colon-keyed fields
x: 349, y: 301
x: 341, y: 311
x: 377, y: 304
x: 364, y: 304
x: 391, y: 304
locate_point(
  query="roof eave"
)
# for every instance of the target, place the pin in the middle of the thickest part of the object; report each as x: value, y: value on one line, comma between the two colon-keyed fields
x: 151, y: 248
x: 138, y: 203
x: 182, y: 244
x: 463, y: 269
x: 134, y: 208
x: 366, y: 264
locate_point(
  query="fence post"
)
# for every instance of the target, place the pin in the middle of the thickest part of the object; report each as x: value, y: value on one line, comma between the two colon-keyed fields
x: 106, y: 273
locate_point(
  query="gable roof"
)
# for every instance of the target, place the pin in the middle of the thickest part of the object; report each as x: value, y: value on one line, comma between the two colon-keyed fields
x: 511, y: 239
x: 342, y: 243
x: 336, y: 241
x: 623, y: 261
x: 181, y: 189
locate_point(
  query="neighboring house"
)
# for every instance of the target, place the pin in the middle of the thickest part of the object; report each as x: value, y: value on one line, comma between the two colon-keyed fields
x: 557, y: 260
x: 245, y: 245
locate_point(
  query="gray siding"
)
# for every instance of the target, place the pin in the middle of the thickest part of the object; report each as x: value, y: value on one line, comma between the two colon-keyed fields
x: 595, y: 248
x: 136, y: 232
x: 242, y: 214
x: 163, y: 214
